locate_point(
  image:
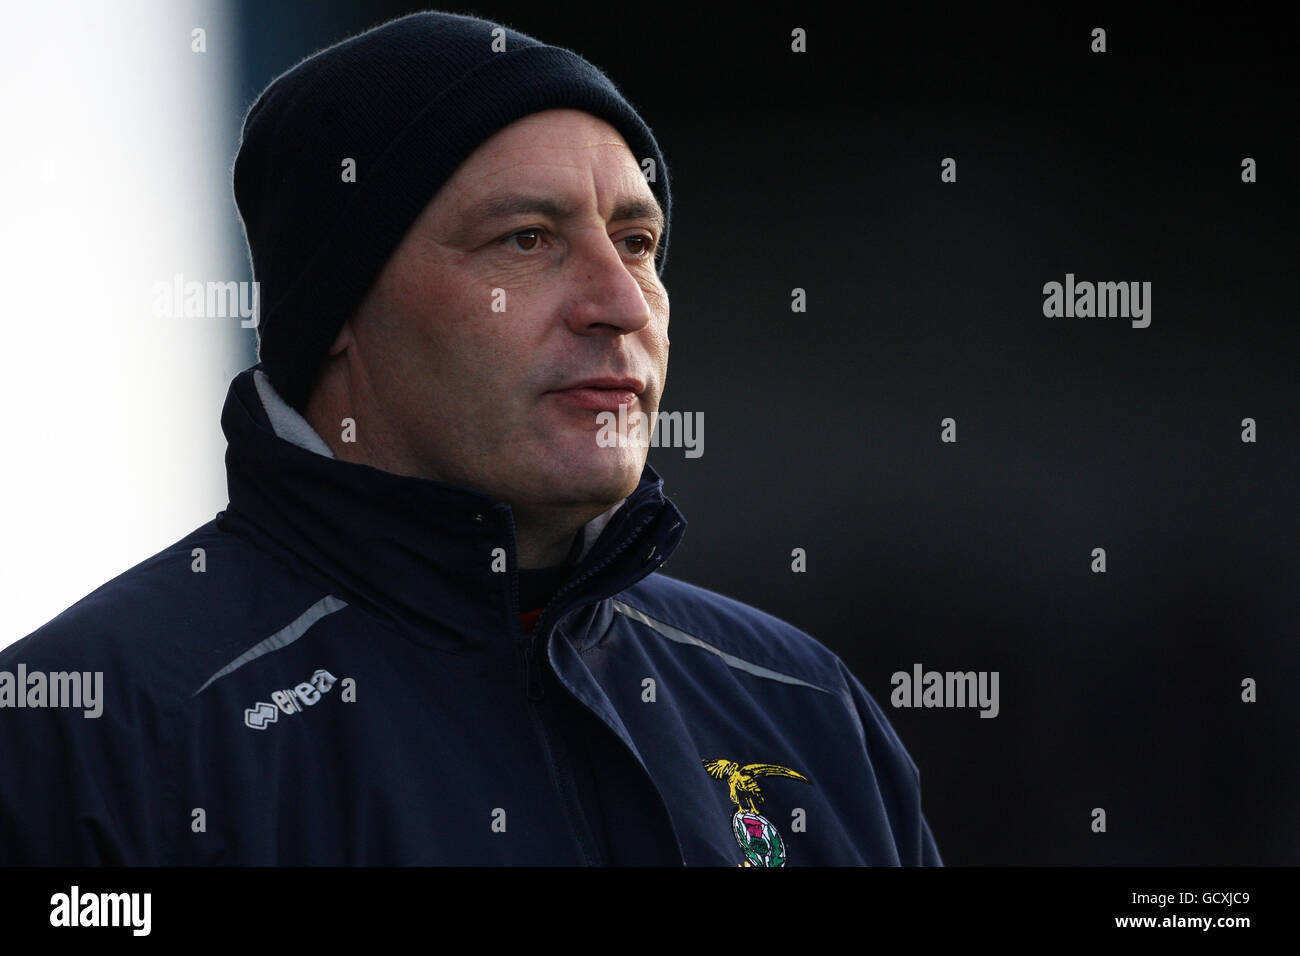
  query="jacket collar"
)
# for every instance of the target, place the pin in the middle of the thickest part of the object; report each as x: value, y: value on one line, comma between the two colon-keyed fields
x: 415, y: 550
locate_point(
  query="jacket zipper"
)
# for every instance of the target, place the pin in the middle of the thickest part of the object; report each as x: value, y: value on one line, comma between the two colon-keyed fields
x: 532, y: 673
x: 534, y: 646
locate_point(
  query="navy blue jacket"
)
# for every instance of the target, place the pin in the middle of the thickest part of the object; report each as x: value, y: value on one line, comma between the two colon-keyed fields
x: 331, y: 672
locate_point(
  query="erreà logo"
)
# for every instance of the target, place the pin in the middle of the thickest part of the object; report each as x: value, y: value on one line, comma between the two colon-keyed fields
x: 289, y: 701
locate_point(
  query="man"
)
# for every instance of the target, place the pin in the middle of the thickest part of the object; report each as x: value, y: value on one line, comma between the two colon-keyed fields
x: 429, y: 627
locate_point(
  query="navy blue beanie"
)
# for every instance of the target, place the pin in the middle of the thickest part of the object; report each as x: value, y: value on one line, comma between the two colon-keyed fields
x: 408, y: 101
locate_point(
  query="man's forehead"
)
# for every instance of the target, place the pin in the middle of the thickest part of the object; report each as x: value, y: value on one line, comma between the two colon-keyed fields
x: 553, y: 157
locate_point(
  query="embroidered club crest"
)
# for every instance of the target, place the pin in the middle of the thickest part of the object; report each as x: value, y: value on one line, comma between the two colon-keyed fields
x: 758, y: 837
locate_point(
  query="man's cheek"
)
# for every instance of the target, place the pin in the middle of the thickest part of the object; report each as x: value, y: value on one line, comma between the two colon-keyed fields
x: 656, y: 295
x: 514, y: 274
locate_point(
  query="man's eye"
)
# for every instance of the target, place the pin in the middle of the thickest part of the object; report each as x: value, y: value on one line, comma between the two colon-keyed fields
x: 640, y: 246
x: 529, y: 239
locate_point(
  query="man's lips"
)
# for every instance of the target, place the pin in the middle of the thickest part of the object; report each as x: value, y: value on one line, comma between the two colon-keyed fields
x: 597, y: 399
x: 601, y: 394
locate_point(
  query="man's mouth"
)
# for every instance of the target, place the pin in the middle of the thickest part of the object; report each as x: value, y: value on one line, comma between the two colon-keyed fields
x: 597, y: 399
x: 601, y: 394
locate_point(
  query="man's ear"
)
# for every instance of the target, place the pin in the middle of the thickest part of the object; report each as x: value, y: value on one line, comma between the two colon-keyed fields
x: 343, y: 340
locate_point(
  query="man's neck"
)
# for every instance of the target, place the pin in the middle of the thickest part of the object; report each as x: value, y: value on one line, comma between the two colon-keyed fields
x: 543, y: 543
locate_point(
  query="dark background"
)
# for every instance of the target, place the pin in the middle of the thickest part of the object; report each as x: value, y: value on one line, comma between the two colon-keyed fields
x: 821, y: 171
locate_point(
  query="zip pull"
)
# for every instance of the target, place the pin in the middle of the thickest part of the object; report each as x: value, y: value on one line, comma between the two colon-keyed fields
x: 532, y: 673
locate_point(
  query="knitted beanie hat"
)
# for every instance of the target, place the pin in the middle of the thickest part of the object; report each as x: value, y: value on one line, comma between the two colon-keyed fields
x: 340, y: 155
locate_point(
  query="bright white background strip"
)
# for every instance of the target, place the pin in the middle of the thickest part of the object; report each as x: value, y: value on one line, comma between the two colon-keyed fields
x: 115, y: 175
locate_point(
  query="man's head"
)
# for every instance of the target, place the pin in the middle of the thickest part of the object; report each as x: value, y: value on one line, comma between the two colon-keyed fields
x: 389, y: 294
x: 531, y: 271
x: 342, y: 154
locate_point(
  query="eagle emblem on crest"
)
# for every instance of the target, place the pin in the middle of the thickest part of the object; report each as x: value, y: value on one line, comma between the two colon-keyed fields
x: 758, y: 837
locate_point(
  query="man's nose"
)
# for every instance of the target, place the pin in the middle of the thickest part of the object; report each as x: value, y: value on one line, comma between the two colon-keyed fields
x: 606, y: 297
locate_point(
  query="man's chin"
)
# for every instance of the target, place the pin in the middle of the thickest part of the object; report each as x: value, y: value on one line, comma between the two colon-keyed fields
x: 611, y: 482
x: 600, y: 476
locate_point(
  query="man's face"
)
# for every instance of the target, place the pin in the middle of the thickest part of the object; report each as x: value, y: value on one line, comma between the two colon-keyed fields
x: 532, y: 270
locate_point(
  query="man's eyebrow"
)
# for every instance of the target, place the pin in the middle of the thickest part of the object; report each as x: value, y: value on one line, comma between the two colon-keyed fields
x: 640, y: 209
x: 518, y: 204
